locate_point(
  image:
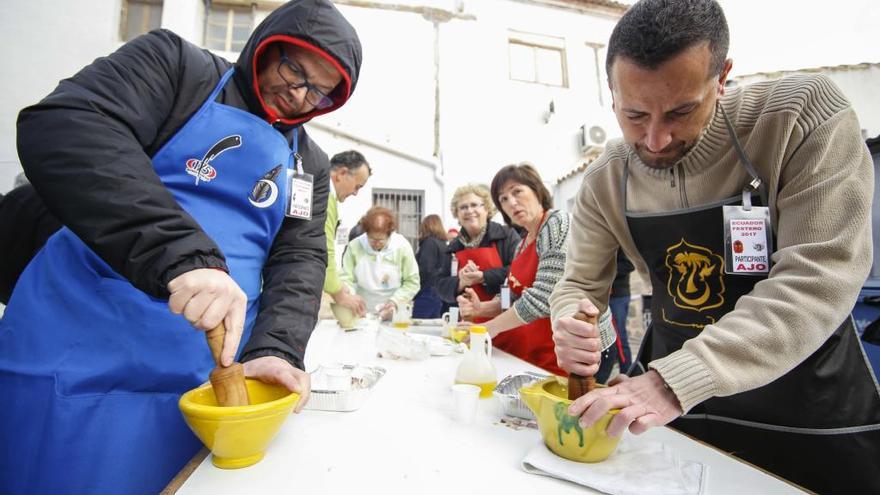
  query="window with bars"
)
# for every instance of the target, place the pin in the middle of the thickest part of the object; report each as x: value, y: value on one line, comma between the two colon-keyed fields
x: 537, y: 59
x: 228, y: 27
x: 139, y: 17
x: 408, y: 204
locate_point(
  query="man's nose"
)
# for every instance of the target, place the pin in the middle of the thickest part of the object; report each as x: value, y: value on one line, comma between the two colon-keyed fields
x: 658, y: 137
x: 298, y: 93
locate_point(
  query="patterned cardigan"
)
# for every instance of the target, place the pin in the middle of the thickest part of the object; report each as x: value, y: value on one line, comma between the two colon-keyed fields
x: 552, y: 243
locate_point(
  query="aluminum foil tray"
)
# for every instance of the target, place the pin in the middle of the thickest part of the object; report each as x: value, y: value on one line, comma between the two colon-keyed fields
x: 428, y: 322
x: 507, y: 392
x: 363, y: 379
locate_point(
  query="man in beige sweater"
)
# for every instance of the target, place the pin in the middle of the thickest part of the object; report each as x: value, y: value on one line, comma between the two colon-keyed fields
x: 759, y: 359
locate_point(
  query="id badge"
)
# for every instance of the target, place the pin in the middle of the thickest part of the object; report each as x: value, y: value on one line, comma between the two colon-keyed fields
x: 299, y: 194
x: 453, y: 268
x: 748, y: 240
x: 505, y: 297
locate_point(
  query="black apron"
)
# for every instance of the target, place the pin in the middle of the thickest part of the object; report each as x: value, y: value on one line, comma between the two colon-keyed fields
x: 818, y: 425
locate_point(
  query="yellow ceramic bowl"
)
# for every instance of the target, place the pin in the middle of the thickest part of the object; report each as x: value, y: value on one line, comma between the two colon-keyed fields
x: 237, y: 436
x: 548, y: 399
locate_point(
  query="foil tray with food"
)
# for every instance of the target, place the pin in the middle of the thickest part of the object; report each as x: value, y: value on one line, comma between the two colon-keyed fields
x: 328, y: 394
x: 507, y: 392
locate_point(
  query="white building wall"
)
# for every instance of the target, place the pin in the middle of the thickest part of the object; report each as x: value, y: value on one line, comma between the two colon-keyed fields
x: 393, y: 103
x: 44, y: 42
x: 391, y: 170
x: 488, y: 120
x: 186, y: 18
x: 565, y: 191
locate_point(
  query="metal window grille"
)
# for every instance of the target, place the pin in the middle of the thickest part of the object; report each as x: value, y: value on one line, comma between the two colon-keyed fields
x: 408, y: 204
x: 139, y: 17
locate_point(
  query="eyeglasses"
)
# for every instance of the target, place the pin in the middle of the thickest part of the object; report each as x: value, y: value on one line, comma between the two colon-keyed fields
x: 295, y: 79
x: 469, y: 206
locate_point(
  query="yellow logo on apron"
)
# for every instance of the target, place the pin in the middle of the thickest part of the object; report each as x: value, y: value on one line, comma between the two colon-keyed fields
x: 695, y: 281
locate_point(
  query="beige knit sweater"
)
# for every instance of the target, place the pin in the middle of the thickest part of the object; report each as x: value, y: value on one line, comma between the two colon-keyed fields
x: 804, y: 140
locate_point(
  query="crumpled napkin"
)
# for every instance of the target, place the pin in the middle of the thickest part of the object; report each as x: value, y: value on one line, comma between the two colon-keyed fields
x: 637, y: 467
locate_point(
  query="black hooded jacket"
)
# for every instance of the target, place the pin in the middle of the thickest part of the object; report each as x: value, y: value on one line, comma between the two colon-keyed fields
x: 87, y: 149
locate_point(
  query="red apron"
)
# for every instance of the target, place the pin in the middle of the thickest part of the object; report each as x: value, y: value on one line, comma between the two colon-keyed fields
x: 485, y: 258
x: 532, y: 342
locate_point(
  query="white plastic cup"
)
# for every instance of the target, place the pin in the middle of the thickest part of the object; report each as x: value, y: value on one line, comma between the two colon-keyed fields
x: 338, y: 378
x: 453, y: 315
x: 450, y: 321
x: 465, y: 398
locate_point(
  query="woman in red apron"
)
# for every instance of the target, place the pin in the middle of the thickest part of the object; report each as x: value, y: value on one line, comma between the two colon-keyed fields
x: 480, y: 256
x: 522, y: 327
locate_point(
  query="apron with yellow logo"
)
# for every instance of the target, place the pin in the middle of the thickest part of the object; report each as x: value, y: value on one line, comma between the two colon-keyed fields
x: 818, y: 425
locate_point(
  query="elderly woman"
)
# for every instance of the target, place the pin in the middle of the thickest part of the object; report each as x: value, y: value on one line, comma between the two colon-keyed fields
x: 430, y: 257
x: 523, y: 329
x: 379, y: 265
x: 481, y: 254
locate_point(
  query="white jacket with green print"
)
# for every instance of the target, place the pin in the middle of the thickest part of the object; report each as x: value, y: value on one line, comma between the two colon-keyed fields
x: 379, y: 276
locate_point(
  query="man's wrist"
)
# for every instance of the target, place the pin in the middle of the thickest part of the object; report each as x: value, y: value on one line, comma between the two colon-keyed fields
x: 667, y: 390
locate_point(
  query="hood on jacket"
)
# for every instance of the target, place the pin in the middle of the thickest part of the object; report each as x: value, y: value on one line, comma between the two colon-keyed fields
x: 395, y: 242
x: 314, y: 25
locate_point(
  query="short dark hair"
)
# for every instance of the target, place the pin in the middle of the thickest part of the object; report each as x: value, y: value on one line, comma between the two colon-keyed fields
x: 351, y: 159
x: 654, y: 31
x: 525, y: 174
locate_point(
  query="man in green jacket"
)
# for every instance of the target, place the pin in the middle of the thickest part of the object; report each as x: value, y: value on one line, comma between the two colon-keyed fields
x: 349, y: 172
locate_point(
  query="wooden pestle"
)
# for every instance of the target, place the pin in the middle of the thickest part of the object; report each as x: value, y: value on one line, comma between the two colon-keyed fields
x: 227, y: 381
x: 580, y: 385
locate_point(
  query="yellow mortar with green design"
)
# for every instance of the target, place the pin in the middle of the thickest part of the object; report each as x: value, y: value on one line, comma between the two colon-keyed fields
x: 548, y: 400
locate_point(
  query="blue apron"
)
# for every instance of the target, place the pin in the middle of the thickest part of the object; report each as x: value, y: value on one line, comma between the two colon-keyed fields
x: 91, y: 367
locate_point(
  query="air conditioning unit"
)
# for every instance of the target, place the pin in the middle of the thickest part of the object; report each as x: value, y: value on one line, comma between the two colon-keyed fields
x: 590, y: 136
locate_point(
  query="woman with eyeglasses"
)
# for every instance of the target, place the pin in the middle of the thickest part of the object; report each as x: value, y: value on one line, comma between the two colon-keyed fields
x: 481, y: 254
x: 520, y: 323
x: 379, y: 265
x: 172, y: 187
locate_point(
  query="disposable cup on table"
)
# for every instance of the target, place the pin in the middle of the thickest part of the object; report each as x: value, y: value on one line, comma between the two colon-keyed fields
x: 464, y: 402
x: 450, y: 320
x: 338, y: 378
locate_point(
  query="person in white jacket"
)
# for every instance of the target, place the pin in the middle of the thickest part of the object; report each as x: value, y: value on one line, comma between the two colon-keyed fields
x: 380, y: 266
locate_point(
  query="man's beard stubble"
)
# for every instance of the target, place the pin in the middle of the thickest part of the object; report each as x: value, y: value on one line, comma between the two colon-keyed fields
x: 678, y: 150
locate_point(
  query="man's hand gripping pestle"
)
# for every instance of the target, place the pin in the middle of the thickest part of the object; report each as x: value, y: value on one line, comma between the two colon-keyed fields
x: 580, y: 385
x: 227, y: 381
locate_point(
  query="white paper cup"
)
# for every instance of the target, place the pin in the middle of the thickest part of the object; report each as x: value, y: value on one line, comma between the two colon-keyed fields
x: 450, y: 320
x: 338, y: 378
x: 464, y: 402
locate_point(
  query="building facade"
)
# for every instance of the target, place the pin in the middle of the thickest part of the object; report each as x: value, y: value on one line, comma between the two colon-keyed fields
x: 450, y: 90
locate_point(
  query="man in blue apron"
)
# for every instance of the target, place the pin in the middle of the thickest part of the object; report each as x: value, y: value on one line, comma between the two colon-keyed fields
x: 190, y: 196
x: 750, y: 210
